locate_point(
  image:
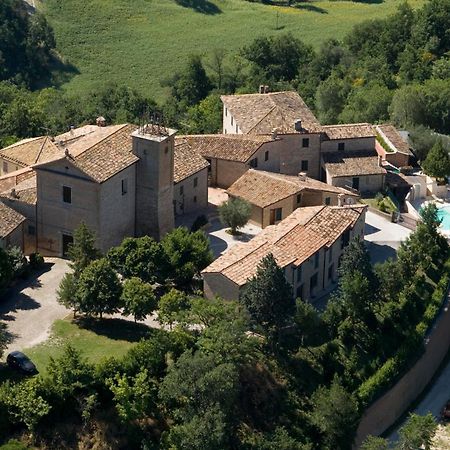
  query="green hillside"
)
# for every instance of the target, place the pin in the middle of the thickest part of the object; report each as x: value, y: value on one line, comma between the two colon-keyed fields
x: 141, y: 42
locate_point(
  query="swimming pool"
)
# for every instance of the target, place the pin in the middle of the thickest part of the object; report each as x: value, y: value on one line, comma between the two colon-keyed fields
x: 444, y: 214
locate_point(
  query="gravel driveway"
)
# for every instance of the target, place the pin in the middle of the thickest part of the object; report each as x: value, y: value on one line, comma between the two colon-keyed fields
x: 30, y: 308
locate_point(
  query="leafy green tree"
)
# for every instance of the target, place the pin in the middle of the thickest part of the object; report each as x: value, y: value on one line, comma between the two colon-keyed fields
x: 188, y: 254
x: 83, y: 251
x: 235, y: 213
x: 170, y: 306
x: 437, y: 163
x: 268, y: 297
x: 99, y: 289
x: 407, y: 107
x: 205, y: 431
x: 437, y: 104
x: 206, y: 116
x: 24, y: 403
x: 138, y: 298
x: 134, y: 397
x: 335, y: 414
x: 67, y: 292
x: 375, y: 443
x: 140, y: 257
x: 418, y: 432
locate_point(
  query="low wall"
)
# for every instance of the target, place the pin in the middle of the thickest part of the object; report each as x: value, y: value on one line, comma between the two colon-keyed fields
x: 384, y: 412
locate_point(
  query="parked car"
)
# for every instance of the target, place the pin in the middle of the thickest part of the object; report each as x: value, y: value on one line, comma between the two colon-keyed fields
x: 19, y: 361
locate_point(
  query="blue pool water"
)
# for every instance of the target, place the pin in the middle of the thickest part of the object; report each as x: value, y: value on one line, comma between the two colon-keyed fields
x: 444, y: 215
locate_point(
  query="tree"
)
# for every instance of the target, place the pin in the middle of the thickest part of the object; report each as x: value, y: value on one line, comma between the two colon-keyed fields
x: 134, y: 396
x: 407, y: 107
x: 188, y: 254
x: 99, y: 289
x: 138, y: 298
x: 67, y: 292
x: 140, y: 257
x: 206, y: 116
x: 437, y: 163
x: 82, y: 252
x: 418, y: 432
x: 170, y: 306
x: 268, y: 297
x: 375, y: 443
x: 335, y: 414
x: 235, y: 213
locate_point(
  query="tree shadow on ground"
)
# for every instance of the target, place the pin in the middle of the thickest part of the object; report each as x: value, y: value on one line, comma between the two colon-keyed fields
x: 379, y: 253
x: 15, y: 302
x: 116, y: 329
x: 201, y: 6
x: 311, y: 8
x: 59, y: 73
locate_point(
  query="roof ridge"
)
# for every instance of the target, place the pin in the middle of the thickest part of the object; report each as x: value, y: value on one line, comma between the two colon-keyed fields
x: 40, y: 150
x: 262, y: 118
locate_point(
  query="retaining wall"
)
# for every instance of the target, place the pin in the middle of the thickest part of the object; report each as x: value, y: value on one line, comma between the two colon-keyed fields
x: 387, y: 409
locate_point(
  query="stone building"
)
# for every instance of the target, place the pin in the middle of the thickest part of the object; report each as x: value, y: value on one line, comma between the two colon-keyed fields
x: 11, y: 227
x: 190, y: 189
x: 275, y: 196
x: 119, y: 180
x: 392, y: 147
x: 308, y: 245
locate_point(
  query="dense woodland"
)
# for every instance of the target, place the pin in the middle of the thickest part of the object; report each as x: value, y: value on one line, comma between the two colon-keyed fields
x: 388, y: 69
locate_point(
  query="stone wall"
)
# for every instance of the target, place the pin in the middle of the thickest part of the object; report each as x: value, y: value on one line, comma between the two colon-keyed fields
x: 387, y: 409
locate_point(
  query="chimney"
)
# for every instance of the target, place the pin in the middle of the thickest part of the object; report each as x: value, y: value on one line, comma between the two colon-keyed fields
x: 13, y: 193
x: 341, y: 199
x: 302, y: 176
x: 266, y: 89
x: 101, y: 121
x: 274, y: 134
x: 298, y: 125
x: 66, y: 153
x: 379, y: 161
x: 261, y: 89
x: 71, y: 130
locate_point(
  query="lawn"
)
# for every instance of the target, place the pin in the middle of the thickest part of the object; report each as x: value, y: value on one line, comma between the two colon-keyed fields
x: 95, y: 339
x: 141, y: 42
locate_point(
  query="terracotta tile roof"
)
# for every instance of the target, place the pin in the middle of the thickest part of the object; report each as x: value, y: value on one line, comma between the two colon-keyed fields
x: 394, y: 139
x: 31, y: 151
x: 265, y: 188
x: 293, y: 241
x: 25, y: 191
x: 231, y: 147
x: 9, y: 220
x: 187, y: 161
x: 261, y: 113
x: 109, y: 156
x: 349, y: 131
x: 346, y: 164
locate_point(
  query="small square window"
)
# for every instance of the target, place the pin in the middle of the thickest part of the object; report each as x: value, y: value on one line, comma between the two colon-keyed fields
x: 316, y: 260
x: 266, y: 156
x: 124, y: 186
x: 305, y: 142
x: 299, y: 273
x: 237, y: 130
x: 195, y: 182
x: 5, y: 167
x: 299, y: 198
x: 232, y: 120
x: 330, y: 272
x: 67, y: 194
x: 341, y: 146
x: 181, y: 190
x: 195, y: 199
x: 300, y: 291
x: 327, y: 200
x: 305, y: 164
x: 226, y: 112
x: 31, y: 230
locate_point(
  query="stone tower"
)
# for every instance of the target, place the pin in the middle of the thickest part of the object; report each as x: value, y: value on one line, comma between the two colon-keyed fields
x: 154, y: 146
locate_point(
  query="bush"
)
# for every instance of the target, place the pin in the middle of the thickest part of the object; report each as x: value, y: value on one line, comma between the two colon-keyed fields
x: 36, y: 261
x: 199, y: 222
x: 19, y: 263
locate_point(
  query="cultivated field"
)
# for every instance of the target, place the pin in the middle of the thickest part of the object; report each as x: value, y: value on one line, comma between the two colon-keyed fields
x: 141, y: 42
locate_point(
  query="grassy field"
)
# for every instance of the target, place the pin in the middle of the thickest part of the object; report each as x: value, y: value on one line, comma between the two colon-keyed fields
x: 141, y: 42
x: 96, y: 340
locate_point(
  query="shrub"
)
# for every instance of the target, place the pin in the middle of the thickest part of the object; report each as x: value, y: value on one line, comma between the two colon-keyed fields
x: 36, y: 260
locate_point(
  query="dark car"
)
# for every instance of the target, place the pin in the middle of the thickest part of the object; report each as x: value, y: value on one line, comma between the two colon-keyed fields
x: 21, y: 362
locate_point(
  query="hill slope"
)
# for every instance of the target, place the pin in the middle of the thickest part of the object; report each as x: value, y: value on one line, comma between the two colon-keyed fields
x: 141, y: 42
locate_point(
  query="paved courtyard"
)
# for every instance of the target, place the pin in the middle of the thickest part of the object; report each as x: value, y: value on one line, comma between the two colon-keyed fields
x: 383, y: 237
x: 29, y: 308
